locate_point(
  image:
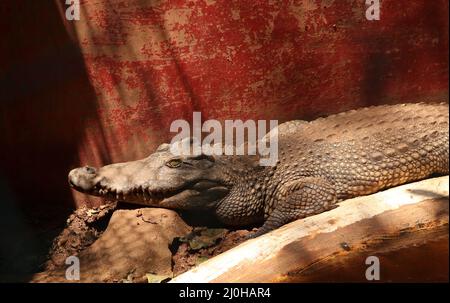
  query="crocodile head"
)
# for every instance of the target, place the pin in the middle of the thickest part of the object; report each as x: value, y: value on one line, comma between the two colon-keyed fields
x: 161, y: 180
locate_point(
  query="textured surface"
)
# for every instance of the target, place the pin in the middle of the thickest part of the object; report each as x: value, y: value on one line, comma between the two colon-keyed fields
x: 135, y: 243
x: 356, y: 153
x: 321, y: 162
x: 152, y: 62
x: 106, y: 89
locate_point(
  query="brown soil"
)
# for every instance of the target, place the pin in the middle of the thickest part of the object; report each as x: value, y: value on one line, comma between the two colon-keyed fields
x: 187, y: 257
x: 84, y: 226
x: 133, y: 245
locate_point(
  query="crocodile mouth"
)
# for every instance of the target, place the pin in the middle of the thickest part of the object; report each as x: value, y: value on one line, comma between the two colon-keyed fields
x: 203, y: 193
x: 138, y: 187
x: 139, y: 194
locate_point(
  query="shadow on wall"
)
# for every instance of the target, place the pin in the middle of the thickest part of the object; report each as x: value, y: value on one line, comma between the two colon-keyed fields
x: 45, y: 101
x: 392, y: 56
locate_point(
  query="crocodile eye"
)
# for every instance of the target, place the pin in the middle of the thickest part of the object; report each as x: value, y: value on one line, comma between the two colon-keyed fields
x: 89, y: 170
x: 174, y: 163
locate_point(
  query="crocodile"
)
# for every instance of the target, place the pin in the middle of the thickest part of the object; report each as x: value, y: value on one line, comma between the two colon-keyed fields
x: 320, y: 163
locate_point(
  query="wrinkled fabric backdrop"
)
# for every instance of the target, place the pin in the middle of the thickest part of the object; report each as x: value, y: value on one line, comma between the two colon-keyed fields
x: 106, y: 88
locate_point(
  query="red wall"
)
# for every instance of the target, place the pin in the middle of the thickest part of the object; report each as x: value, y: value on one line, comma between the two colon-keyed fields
x: 45, y: 100
x: 110, y: 92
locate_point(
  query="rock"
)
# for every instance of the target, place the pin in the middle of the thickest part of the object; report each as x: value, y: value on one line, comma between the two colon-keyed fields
x: 126, y: 247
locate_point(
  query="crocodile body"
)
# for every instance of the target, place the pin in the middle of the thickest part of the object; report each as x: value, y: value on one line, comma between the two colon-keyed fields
x: 321, y: 162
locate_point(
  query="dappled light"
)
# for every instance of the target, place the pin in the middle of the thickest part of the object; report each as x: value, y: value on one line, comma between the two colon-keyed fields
x: 107, y: 87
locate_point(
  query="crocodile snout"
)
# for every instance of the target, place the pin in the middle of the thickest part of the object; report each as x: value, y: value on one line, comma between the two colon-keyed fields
x: 83, y: 178
x: 89, y: 170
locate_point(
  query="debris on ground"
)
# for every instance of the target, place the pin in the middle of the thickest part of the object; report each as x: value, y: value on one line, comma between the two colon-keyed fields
x: 145, y: 245
x: 202, y: 244
x: 128, y: 250
x: 83, y: 227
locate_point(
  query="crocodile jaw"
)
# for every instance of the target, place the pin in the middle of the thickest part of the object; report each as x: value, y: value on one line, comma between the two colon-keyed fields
x: 111, y: 183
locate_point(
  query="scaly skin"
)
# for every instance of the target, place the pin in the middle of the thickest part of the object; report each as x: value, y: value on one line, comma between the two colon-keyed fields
x: 320, y: 163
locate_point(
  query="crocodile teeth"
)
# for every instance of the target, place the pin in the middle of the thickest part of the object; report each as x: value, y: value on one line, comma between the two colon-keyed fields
x: 146, y: 195
x: 159, y: 195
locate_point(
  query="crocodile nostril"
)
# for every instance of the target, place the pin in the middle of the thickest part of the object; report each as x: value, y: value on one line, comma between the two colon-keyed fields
x: 90, y: 170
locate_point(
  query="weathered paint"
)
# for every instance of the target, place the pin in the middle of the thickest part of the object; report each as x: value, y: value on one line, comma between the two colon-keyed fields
x: 151, y: 62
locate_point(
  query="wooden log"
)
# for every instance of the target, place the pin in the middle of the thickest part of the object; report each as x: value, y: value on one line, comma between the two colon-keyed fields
x: 392, y: 225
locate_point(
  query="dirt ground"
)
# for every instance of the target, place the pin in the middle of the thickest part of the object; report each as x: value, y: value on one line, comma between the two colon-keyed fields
x: 84, y: 226
x: 203, y: 244
x: 137, y: 245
